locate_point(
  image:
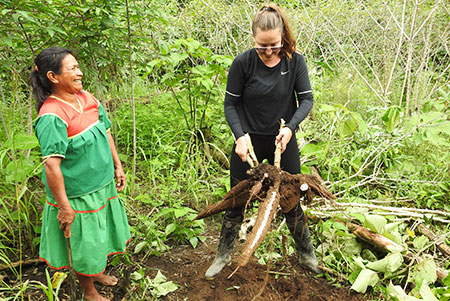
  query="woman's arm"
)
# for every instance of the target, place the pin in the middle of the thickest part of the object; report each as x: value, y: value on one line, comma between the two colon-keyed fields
x: 118, y: 169
x: 55, y: 182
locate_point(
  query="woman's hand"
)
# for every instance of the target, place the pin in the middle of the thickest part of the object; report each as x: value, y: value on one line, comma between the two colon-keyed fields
x: 242, y: 148
x: 65, y: 217
x: 284, y: 136
x: 121, y: 178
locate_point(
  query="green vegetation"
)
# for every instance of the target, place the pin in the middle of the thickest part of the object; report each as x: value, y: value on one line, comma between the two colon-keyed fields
x: 379, y: 132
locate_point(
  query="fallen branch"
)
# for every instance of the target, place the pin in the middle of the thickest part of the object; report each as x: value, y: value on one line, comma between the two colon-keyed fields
x: 18, y: 263
x: 442, y: 246
x: 390, y: 208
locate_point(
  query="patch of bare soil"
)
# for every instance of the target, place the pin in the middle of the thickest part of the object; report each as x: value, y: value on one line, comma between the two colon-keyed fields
x: 186, y: 267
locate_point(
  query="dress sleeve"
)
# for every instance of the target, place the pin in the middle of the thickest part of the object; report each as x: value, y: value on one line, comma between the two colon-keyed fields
x: 51, y: 132
x: 102, y: 117
x: 233, y: 97
x: 303, y: 90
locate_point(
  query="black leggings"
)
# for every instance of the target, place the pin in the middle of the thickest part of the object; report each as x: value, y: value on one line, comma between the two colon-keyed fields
x: 264, y: 147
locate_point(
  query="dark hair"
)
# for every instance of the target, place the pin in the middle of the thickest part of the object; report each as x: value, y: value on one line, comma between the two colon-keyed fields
x: 270, y: 17
x: 50, y: 59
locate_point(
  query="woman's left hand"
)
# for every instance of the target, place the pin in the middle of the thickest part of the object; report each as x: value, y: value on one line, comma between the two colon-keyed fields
x: 284, y: 136
x: 121, y: 179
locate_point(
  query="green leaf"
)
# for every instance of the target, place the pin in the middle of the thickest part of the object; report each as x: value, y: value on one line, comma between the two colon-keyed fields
x: 179, y: 212
x: 388, y: 264
x: 161, y: 286
x: 426, y: 293
x: 207, y: 83
x: 324, y: 65
x: 311, y: 149
x: 170, y: 228
x: 420, y: 242
x: 136, y: 276
x: 446, y: 280
x: 26, y: 16
x: 193, y: 241
x: 365, y: 278
x: 376, y: 223
x: 328, y: 108
x: 425, y: 270
x: 347, y: 127
x: 391, y: 117
x: 22, y: 141
x: 140, y: 246
x: 397, y: 293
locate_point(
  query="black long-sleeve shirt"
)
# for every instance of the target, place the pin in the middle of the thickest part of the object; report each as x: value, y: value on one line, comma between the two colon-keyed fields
x: 257, y: 96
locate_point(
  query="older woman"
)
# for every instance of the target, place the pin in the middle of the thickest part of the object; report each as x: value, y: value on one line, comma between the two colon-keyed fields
x: 80, y: 163
x: 265, y: 84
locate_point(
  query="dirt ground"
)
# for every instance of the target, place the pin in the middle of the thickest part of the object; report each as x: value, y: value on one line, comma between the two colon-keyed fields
x: 186, y: 267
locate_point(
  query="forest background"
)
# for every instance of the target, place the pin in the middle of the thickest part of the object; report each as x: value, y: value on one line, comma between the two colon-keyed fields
x: 379, y: 132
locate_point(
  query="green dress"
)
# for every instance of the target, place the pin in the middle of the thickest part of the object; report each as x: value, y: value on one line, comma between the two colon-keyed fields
x: 78, y: 134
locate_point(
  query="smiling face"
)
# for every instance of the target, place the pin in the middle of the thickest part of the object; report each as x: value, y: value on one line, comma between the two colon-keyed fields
x: 69, y: 78
x: 268, y: 39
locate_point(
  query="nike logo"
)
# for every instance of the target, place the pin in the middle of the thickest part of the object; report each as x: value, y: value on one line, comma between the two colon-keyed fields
x: 283, y: 73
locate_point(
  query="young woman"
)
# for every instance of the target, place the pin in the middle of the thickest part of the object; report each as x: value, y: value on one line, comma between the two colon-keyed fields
x: 265, y: 84
x: 80, y: 163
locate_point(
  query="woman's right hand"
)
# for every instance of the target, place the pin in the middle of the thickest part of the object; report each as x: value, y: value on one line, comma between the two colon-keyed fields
x: 242, y: 148
x: 65, y: 217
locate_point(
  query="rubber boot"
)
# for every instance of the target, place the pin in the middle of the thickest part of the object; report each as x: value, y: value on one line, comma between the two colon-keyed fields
x: 228, y: 235
x: 307, y: 257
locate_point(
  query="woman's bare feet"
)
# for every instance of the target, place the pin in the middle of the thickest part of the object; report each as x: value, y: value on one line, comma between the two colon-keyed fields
x: 90, y: 293
x: 95, y: 297
x: 105, y: 279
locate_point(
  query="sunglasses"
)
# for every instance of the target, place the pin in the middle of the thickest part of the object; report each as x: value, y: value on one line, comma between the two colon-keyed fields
x: 264, y: 49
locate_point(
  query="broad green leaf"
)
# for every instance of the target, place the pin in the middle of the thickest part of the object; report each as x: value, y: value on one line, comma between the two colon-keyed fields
x: 176, y: 58
x: 159, y: 278
x: 170, y: 228
x: 425, y: 270
x: 161, y: 286
x: 391, y: 117
x: 194, y: 241
x: 362, y: 125
x: 397, y: 293
x: 136, y: 276
x: 165, y: 288
x: 347, y: 127
x: 311, y: 149
x: 22, y: 141
x: 208, y: 84
x: 368, y: 255
x: 26, y: 15
x: 21, y: 169
x: 359, y: 262
x: 392, y: 226
x: 351, y: 246
x: 388, y: 264
x: 328, y: 108
x: 420, y: 242
x: 179, y: 212
x: 426, y: 293
x: 446, y: 280
x: 324, y: 65
x: 140, y: 246
x: 365, y: 278
x: 432, y: 117
x: 376, y: 223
